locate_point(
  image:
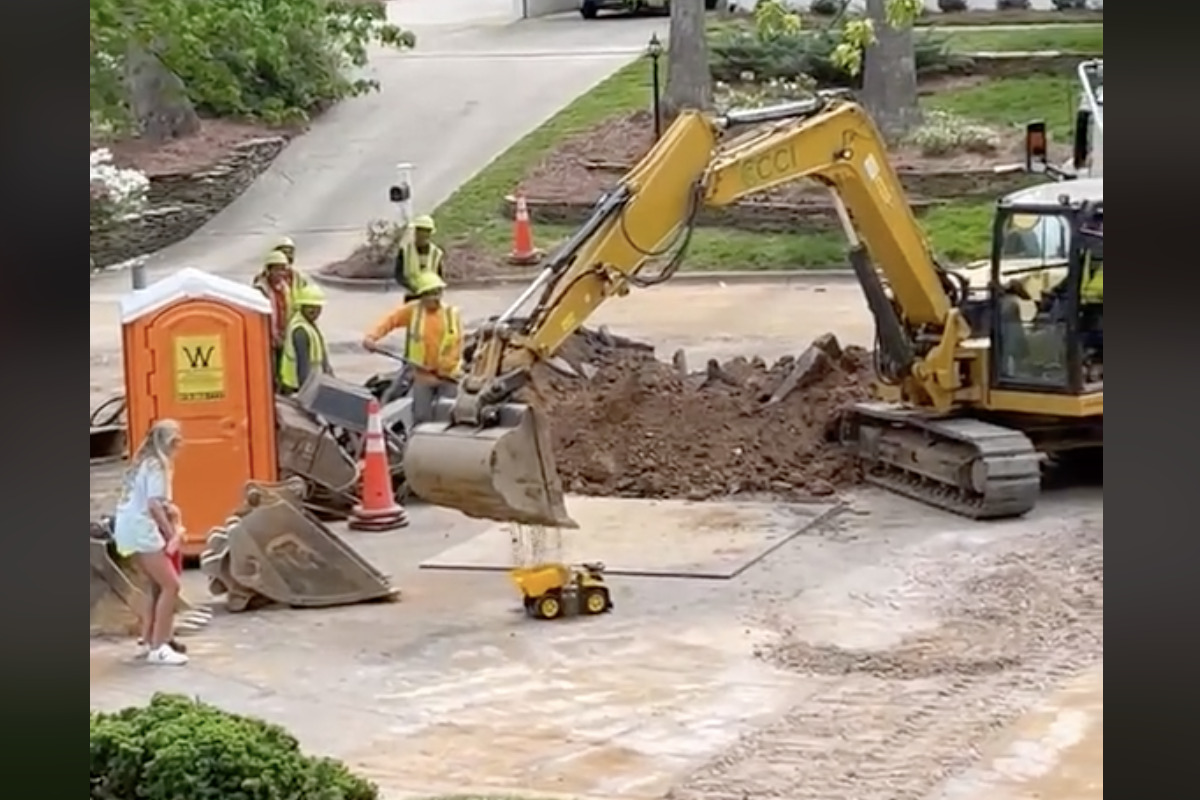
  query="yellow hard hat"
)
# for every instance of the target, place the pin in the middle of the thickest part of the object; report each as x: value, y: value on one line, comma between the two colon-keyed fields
x: 285, y: 243
x: 310, y: 295
x: 424, y: 223
x: 276, y: 259
x: 427, y: 282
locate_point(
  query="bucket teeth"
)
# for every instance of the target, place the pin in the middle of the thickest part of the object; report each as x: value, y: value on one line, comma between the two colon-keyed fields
x: 276, y: 552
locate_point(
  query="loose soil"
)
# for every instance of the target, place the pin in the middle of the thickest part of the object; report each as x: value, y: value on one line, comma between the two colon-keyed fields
x: 215, y: 140
x: 584, y: 166
x: 640, y: 427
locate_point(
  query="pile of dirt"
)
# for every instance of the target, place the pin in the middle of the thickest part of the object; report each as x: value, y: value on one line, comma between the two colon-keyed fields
x: 632, y: 426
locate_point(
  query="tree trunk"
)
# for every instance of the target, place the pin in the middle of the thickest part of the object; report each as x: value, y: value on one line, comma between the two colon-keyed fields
x: 890, y: 75
x: 157, y: 97
x: 689, y: 82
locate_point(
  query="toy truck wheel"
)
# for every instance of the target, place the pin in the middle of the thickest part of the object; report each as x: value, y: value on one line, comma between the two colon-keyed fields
x: 596, y: 601
x: 549, y: 606
x: 588, y: 9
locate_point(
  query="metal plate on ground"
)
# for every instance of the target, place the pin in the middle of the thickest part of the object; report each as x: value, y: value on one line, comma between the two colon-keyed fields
x: 666, y: 538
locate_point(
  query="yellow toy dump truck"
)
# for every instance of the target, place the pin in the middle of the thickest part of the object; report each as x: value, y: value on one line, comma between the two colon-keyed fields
x: 556, y: 590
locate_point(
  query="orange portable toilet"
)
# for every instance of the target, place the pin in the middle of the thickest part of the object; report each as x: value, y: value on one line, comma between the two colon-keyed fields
x: 197, y: 349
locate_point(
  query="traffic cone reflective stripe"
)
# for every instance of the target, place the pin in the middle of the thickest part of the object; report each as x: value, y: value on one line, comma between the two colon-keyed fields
x: 523, y: 251
x: 377, y: 509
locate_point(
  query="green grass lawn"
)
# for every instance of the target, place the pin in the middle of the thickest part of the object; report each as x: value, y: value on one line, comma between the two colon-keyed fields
x: 957, y: 233
x: 1015, y: 102
x: 471, y: 210
x: 1088, y: 39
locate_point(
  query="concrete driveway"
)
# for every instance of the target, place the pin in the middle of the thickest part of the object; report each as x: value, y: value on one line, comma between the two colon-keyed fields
x: 478, y: 81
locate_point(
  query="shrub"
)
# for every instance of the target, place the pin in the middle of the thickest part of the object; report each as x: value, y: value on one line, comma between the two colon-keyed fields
x: 1070, y: 5
x: 1012, y: 5
x: 750, y: 94
x: 791, y: 55
x: 275, y: 60
x: 115, y: 192
x: 943, y: 133
x: 383, y: 241
x: 179, y: 748
x: 952, y: 6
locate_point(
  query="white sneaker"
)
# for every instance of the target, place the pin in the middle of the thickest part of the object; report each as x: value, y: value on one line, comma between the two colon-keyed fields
x: 143, y: 649
x: 167, y: 656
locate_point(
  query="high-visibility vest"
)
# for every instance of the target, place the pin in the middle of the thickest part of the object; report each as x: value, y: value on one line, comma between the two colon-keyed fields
x: 414, y: 349
x: 288, y: 378
x: 297, y: 282
x: 1092, y: 290
x: 415, y: 262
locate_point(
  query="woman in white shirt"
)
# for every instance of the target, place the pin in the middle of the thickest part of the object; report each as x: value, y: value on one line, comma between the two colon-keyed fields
x: 143, y: 529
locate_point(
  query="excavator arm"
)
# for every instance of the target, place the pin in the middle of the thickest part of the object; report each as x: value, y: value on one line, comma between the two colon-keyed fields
x: 490, y: 457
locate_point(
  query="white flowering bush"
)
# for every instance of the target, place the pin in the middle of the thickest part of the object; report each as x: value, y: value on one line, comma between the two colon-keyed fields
x: 116, y: 192
x: 943, y: 133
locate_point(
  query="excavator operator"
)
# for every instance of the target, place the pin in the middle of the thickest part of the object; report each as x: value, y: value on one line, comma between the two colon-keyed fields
x: 418, y: 255
x: 304, y: 345
x: 434, y: 341
x: 1091, y: 307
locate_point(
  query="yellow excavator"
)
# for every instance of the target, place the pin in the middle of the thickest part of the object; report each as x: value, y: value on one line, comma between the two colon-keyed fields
x: 974, y: 388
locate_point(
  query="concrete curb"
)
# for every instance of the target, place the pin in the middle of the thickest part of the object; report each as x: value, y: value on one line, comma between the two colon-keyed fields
x: 775, y: 276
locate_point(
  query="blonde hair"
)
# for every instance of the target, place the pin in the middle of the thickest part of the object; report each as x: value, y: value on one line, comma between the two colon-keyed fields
x: 157, y: 446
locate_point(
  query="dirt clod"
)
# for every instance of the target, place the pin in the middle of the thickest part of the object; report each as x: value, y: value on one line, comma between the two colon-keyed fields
x: 641, y: 427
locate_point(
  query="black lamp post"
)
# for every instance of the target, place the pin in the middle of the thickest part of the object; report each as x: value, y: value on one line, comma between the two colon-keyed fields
x: 655, y: 50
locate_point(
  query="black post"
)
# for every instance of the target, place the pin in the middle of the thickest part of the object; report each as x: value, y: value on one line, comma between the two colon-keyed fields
x: 654, y: 50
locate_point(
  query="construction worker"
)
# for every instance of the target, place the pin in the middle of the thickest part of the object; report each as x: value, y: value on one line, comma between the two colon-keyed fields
x: 286, y: 246
x: 1091, y: 308
x: 304, y: 345
x: 279, y: 283
x: 418, y: 254
x: 434, y: 344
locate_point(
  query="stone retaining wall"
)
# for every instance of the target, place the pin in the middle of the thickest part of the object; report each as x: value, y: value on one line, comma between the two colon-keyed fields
x: 813, y: 215
x: 179, y: 203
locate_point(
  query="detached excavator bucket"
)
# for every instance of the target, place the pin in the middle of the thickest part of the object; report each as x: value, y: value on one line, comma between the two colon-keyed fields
x: 279, y: 552
x: 116, y: 592
x: 503, y: 472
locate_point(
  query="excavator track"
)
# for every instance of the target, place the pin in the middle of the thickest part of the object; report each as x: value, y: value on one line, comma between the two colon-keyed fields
x: 962, y: 465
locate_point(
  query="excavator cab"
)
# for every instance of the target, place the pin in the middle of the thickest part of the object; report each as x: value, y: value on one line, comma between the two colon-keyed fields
x: 1047, y: 336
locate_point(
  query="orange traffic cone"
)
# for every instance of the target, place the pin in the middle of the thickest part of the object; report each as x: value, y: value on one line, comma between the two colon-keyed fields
x: 523, y: 253
x: 378, y: 509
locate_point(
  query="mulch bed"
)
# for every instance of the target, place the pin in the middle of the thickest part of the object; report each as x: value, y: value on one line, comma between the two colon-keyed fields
x: 215, y: 140
x: 463, y: 260
x: 589, y: 163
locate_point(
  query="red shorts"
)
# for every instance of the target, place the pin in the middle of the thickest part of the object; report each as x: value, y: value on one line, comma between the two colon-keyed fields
x: 177, y: 561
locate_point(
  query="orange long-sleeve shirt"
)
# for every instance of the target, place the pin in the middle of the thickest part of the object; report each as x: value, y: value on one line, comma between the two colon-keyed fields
x: 446, y: 364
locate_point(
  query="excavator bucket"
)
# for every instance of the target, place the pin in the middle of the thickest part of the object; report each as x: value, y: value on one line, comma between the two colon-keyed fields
x: 275, y: 551
x: 502, y: 472
x: 116, y: 591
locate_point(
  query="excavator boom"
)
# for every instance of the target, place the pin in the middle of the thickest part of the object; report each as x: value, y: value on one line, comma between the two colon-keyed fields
x: 490, y: 457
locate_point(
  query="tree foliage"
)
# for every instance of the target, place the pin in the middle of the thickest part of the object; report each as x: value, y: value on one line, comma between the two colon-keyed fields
x: 275, y: 60
x: 773, y: 18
